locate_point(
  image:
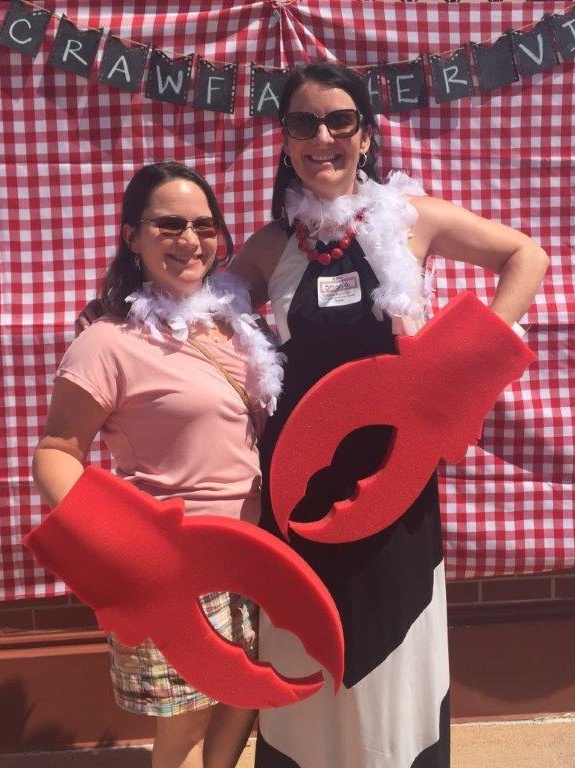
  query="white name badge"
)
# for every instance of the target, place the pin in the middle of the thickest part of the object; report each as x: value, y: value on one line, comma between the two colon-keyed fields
x: 339, y: 290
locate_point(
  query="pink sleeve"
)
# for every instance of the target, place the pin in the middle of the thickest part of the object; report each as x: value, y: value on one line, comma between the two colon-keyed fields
x: 93, y: 363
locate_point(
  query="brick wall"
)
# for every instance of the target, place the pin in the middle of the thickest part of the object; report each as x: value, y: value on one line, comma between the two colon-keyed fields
x: 513, y: 596
x: 45, y: 615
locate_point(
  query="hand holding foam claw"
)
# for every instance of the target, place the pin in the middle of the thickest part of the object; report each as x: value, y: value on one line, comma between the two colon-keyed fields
x: 436, y: 392
x: 140, y: 564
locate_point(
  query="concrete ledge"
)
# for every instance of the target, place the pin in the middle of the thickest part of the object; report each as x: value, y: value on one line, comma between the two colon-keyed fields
x: 55, y: 693
x: 515, y: 669
x: 548, y: 743
x: 520, y: 744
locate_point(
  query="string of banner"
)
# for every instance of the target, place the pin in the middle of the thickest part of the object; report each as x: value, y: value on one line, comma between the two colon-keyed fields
x: 516, y: 54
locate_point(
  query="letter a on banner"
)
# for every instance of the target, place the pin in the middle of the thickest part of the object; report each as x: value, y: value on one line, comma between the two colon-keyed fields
x: 451, y: 76
x: 75, y: 50
x: 266, y: 88
x: 169, y: 80
x: 216, y: 87
x: 23, y: 29
x: 122, y: 66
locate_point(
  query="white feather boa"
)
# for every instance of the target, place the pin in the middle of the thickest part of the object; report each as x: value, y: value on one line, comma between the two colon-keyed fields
x: 383, y: 232
x: 225, y: 298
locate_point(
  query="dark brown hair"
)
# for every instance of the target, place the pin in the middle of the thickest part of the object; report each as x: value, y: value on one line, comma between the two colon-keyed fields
x: 123, y: 276
x: 334, y: 76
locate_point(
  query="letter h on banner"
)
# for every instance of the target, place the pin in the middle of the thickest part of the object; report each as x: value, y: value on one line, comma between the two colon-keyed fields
x: 372, y: 79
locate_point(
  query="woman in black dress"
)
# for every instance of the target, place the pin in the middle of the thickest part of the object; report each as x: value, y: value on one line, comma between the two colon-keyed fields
x: 343, y: 266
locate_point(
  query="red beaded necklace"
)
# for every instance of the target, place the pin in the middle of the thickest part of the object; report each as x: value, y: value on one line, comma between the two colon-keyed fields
x: 325, y: 257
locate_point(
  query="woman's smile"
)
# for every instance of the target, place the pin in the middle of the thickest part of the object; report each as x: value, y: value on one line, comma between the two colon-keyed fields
x: 325, y: 164
x: 175, y: 262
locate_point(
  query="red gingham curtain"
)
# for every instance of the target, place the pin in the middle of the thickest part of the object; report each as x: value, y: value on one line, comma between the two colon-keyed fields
x: 68, y: 146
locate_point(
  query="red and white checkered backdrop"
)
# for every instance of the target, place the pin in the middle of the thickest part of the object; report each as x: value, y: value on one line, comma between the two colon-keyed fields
x: 68, y: 146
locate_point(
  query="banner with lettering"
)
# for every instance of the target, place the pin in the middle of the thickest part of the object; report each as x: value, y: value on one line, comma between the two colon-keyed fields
x: 519, y: 52
x: 475, y: 99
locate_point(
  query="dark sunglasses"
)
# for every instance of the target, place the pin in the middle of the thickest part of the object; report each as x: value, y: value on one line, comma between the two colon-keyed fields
x: 174, y: 226
x: 341, y: 124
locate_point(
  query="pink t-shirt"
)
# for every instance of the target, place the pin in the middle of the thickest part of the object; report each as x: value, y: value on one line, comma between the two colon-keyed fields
x: 176, y: 426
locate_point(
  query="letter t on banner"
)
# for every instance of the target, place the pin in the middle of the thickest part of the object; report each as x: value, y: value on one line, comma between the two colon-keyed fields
x: 23, y: 30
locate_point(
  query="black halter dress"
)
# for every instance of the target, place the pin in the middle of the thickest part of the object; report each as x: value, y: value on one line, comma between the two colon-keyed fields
x: 393, y: 709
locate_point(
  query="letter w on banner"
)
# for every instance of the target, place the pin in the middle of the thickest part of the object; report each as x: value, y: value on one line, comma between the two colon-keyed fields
x: 169, y: 80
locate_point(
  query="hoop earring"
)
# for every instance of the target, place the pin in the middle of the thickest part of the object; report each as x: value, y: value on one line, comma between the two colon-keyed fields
x: 362, y: 160
x: 286, y: 161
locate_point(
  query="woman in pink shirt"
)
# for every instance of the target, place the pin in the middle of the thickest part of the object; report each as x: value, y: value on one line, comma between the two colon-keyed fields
x: 177, y: 378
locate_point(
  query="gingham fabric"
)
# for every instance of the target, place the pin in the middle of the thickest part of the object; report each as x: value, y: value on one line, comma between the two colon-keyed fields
x: 68, y: 146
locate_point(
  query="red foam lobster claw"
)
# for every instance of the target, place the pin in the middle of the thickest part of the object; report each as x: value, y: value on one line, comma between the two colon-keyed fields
x: 141, y: 565
x: 435, y: 392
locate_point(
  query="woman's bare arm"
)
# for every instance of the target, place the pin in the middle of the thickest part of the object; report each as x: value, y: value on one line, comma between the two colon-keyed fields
x: 258, y: 258
x: 456, y: 233
x: 73, y: 422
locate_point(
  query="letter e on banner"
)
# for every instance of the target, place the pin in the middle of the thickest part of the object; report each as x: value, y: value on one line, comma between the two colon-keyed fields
x: 406, y: 85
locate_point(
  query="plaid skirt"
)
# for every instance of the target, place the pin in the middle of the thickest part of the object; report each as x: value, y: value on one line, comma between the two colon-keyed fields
x: 145, y: 683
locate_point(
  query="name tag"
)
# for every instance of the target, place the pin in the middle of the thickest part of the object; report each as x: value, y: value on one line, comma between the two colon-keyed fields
x: 339, y: 290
